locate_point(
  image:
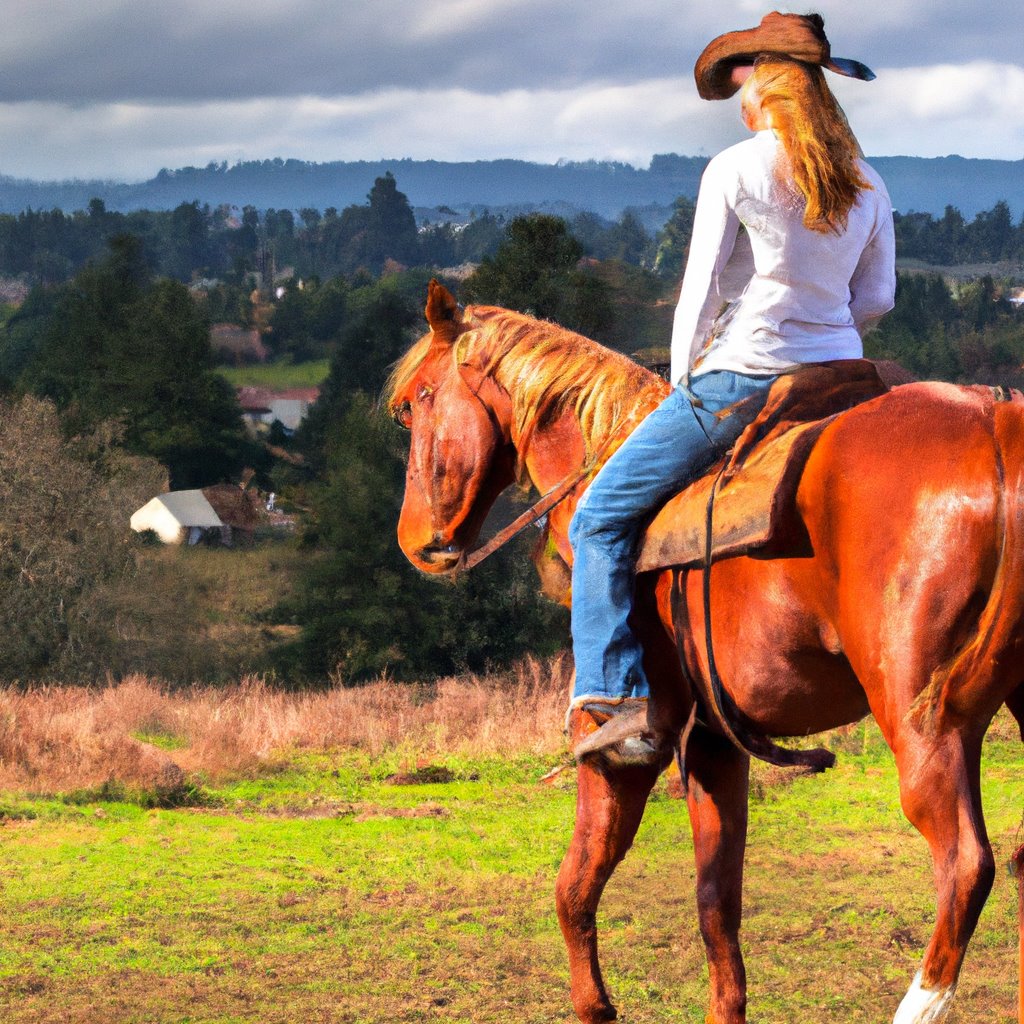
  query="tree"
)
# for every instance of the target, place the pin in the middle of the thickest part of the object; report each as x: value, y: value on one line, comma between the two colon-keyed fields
x: 391, y: 225
x: 65, y: 549
x: 479, y: 238
x: 627, y: 240
x: 379, y: 327
x: 536, y: 270
x: 187, y: 248
x: 119, y: 345
x: 365, y: 237
x: 674, y: 240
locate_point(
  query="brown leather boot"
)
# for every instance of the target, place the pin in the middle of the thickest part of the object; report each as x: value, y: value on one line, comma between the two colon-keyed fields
x: 618, y: 732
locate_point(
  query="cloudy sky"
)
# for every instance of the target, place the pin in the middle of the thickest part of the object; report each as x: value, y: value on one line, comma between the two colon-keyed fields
x: 120, y: 88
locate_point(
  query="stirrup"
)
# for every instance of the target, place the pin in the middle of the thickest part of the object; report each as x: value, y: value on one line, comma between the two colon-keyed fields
x: 623, y: 739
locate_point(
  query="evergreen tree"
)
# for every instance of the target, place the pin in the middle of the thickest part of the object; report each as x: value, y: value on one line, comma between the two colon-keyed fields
x: 479, y: 238
x: 380, y: 325
x: 391, y: 225
x: 187, y: 248
x: 674, y: 240
x: 119, y: 345
x: 536, y: 270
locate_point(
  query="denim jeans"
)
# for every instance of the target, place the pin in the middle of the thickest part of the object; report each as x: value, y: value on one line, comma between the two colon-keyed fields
x: 669, y: 449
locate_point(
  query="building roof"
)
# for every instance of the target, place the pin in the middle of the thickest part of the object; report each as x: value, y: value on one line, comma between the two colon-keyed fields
x: 189, y: 508
x: 253, y: 399
x: 299, y: 394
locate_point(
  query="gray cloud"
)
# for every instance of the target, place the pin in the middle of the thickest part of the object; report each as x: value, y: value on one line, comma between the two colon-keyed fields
x: 118, y: 88
x: 112, y: 50
x: 907, y: 111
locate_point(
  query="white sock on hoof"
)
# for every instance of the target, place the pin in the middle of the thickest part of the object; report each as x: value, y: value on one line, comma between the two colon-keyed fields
x: 923, y: 1005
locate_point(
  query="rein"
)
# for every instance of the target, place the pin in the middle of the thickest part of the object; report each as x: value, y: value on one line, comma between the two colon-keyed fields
x: 538, y: 509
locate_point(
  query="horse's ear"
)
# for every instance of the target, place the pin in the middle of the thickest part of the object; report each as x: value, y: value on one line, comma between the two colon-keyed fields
x: 443, y: 313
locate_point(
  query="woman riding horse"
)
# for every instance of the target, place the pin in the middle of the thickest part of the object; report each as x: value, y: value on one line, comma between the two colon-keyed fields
x: 810, y: 271
x: 905, y: 598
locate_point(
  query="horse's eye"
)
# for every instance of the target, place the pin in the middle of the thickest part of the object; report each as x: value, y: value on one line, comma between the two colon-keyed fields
x: 424, y: 393
x: 403, y: 415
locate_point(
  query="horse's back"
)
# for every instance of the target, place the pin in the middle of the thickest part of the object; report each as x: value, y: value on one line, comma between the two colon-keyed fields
x: 904, y: 457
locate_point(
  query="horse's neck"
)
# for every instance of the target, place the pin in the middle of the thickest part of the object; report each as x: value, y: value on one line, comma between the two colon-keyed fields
x: 558, y: 451
x: 555, y: 452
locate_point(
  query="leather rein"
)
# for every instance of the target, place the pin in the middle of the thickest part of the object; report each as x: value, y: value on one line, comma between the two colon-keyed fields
x: 537, y: 510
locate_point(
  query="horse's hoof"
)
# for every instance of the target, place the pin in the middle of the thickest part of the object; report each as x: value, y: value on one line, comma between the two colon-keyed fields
x: 924, y: 1006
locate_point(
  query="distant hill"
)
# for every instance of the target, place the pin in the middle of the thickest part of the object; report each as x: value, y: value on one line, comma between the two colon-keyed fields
x: 606, y: 188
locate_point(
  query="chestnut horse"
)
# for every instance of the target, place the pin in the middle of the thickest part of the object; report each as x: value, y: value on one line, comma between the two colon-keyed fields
x: 907, y: 604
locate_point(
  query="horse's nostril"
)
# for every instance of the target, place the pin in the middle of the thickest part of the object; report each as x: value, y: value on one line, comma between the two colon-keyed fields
x: 438, y: 545
x: 440, y: 549
x: 442, y: 557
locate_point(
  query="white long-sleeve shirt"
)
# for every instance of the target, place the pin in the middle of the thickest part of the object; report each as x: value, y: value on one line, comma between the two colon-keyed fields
x: 778, y: 294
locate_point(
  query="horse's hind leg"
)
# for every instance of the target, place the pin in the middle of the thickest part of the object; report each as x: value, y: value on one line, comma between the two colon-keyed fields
x: 717, y: 794
x: 940, y: 794
x: 609, y: 806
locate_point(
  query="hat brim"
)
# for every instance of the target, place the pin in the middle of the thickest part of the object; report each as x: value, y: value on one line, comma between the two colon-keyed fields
x: 799, y: 37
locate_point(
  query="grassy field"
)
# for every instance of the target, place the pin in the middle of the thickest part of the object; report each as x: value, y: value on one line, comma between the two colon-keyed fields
x: 278, y: 375
x: 389, y: 855
x: 209, y: 608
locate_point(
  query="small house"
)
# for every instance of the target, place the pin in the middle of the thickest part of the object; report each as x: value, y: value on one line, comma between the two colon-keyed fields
x: 261, y: 407
x: 178, y: 517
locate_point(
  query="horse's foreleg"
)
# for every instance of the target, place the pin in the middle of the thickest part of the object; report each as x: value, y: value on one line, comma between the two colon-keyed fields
x: 717, y: 796
x: 940, y: 793
x: 609, y: 806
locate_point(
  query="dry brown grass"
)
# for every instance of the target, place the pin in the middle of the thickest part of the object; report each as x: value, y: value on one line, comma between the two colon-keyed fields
x: 142, y: 735
x: 159, y: 742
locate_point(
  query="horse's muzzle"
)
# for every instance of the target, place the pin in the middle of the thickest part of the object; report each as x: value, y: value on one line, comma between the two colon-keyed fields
x: 437, y: 558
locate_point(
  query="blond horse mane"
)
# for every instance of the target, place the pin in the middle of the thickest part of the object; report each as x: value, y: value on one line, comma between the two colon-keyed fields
x: 545, y: 369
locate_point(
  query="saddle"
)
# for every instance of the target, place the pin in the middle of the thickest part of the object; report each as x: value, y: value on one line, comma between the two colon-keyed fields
x: 755, y: 484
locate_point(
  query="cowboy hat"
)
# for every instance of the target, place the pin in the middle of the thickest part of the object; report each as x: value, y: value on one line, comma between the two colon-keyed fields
x: 800, y: 36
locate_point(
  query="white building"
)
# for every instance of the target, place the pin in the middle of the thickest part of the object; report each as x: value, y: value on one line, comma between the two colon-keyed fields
x: 177, y: 517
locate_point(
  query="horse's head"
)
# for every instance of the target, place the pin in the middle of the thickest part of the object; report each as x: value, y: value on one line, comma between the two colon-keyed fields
x: 460, y: 454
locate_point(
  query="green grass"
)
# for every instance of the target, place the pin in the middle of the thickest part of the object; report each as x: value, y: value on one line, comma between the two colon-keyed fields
x: 323, y: 892
x: 278, y: 375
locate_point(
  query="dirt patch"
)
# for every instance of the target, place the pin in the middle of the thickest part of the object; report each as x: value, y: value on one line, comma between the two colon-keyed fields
x: 421, y: 811
x: 312, y: 812
x: 423, y: 775
x: 904, y: 939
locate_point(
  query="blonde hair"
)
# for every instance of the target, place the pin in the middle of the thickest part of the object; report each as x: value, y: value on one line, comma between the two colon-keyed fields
x: 821, y: 150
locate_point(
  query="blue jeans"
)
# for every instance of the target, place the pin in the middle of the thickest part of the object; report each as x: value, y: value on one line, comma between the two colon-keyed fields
x: 669, y: 449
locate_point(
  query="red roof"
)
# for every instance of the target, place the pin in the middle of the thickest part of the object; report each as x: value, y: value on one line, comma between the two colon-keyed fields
x: 255, y: 399
x: 299, y: 394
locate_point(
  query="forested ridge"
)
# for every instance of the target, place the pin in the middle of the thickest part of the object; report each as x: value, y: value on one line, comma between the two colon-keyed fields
x: 605, y: 187
x: 111, y: 391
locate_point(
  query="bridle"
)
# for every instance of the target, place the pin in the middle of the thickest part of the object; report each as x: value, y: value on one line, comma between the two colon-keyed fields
x: 539, y: 508
x: 544, y: 504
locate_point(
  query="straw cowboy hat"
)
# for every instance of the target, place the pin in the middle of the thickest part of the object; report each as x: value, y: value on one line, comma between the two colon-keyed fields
x: 800, y: 36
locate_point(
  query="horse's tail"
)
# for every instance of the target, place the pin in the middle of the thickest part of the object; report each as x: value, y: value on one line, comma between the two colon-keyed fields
x: 984, y: 674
